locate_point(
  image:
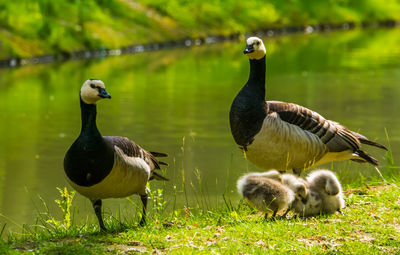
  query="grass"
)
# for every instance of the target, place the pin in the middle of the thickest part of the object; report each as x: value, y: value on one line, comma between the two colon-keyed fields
x: 29, y: 28
x: 370, y: 224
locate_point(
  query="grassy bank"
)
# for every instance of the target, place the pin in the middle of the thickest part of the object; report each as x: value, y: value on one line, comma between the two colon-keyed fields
x: 370, y: 225
x: 29, y: 28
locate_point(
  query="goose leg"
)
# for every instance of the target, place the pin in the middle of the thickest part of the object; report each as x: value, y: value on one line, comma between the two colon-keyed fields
x: 285, y: 213
x: 144, y: 202
x: 97, y: 210
x: 297, y: 171
x: 273, y: 217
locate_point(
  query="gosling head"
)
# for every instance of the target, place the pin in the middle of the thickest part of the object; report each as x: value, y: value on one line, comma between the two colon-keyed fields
x: 301, y: 193
x: 255, y: 48
x: 93, y: 90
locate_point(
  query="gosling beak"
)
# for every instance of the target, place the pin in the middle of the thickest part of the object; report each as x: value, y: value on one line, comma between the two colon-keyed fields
x: 249, y: 49
x: 103, y: 93
x: 304, y: 200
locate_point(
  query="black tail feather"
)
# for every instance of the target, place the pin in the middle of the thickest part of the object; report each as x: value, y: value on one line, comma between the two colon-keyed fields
x: 158, y: 154
x: 365, y: 140
x: 155, y: 161
x: 365, y: 156
x: 368, y: 142
x: 358, y: 160
x: 157, y: 176
x: 163, y: 163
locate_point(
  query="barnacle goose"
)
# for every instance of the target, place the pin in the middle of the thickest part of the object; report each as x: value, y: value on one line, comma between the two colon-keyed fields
x: 100, y: 167
x: 287, y: 136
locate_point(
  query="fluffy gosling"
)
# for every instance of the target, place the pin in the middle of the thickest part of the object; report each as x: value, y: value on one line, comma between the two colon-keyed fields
x: 264, y: 193
x: 329, y: 189
x: 319, y: 193
x: 307, y: 200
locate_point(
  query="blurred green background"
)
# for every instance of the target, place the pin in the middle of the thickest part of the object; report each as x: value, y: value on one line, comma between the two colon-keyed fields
x: 177, y: 101
x: 29, y: 28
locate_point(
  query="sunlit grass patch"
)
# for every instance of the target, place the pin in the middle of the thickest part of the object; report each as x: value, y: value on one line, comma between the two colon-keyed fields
x: 370, y: 224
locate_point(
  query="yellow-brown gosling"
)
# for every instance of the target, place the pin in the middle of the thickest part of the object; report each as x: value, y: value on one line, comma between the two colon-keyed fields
x: 329, y: 189
x: 265, y: 194
x: 307, y: 201
x: 319, y: 193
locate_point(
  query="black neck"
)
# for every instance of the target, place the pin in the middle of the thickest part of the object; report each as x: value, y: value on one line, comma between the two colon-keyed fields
x: 257, y: 74
x: 88, y: 116
x: 248, y: 109
x: 90, y: 158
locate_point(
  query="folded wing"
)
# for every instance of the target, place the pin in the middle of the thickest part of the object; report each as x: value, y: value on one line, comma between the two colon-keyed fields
x: 131, y: 149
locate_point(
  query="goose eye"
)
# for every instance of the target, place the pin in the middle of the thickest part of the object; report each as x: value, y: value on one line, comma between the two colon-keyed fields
x: 257, y: 43
x: 92, y: 85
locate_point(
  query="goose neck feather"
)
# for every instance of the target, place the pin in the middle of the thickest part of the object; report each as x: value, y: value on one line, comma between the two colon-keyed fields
x: 257, y: 73
x: 90, y: 158
x: 249, y: 109
x: 88, y: 117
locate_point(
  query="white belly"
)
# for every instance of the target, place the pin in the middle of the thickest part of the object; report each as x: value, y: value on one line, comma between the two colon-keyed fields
x: 282, y: 146
x: 128, y: 176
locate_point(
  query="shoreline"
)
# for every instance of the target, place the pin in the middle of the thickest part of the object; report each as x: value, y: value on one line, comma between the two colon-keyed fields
x: 14, y: 62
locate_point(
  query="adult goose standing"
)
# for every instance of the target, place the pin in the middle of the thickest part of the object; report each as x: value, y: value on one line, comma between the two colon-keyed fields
x: 284, y: 136
x: 100, y: 167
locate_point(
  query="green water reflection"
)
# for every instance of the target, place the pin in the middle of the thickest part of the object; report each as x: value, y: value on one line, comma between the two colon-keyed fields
x: 177, y: 101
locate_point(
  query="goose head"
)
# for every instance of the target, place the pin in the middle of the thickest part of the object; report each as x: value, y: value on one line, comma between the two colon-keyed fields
x: 255, y: 48
x: 93, y: 90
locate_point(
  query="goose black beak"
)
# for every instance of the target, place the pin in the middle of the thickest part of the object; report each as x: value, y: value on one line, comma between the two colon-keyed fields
x: 103, y: 93
x: 249, y: 49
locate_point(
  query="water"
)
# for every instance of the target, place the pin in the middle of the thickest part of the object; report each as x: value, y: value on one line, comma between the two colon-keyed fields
x: 177, y: 101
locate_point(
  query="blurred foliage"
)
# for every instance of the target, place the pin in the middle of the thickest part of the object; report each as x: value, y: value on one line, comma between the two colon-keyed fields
x: 37, y: 27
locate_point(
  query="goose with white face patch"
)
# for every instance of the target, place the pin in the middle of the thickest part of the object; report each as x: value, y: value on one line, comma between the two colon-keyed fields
x: 286, y: 136
x: 100, y: 167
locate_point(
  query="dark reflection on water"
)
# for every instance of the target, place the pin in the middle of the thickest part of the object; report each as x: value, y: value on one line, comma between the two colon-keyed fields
x: 178, y: 102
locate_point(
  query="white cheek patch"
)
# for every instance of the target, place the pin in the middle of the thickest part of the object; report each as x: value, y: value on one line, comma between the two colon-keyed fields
x: 259, y: 49
x: 253, y: 55
x: 89, y: 95
x: 258, y: 53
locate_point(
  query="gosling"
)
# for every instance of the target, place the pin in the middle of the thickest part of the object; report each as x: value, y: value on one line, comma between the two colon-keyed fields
x: 319, y: 193
x: 265, y: 194
x: 307, y: 200
x: 329, y: 189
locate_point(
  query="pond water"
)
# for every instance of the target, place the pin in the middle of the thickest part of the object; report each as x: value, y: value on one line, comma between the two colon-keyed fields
x: 177, y: 101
